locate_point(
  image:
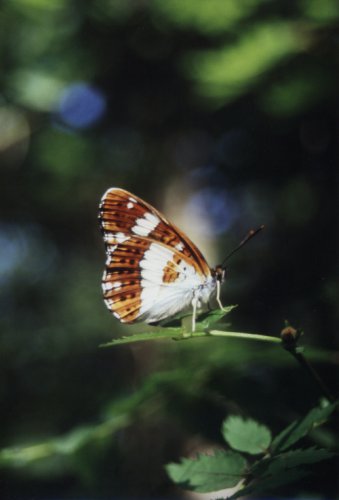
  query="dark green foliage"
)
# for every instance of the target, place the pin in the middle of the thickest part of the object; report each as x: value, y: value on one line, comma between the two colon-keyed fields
x: 266, y: 484
x: 221, y: 113
x: 275, y: 469
x: 280, y: 463
x: 300, y: 428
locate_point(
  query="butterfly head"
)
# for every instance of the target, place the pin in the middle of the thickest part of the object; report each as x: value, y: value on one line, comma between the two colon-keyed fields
x: 219, y: 273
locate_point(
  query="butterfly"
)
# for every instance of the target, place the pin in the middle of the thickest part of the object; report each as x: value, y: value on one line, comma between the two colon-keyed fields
x: 153, y: 270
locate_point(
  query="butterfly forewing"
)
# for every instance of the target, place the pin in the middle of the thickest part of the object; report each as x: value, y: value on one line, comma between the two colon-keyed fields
x: 122, y: 213
x: 151, y: 266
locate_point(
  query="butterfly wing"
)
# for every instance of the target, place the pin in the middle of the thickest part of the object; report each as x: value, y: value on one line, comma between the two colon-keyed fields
x: 152, y: 268
x: 124, y: 213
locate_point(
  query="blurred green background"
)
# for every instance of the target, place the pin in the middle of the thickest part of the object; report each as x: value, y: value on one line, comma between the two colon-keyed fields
x: 224, y: 115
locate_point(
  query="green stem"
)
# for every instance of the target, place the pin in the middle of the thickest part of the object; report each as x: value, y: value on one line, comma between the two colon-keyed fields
x: 250, y: 336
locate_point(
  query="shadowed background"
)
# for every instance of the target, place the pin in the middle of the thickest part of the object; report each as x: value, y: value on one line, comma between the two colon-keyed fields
x: 224, y: 115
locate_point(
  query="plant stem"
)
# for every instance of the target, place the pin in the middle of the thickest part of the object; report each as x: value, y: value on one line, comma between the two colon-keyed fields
x: 292, y: 350
x: 249, y: 336
x: 314, y: 375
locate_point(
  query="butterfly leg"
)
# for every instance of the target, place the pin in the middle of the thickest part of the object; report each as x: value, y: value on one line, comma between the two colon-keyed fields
x: 218, y: 296
x: 194, y: 312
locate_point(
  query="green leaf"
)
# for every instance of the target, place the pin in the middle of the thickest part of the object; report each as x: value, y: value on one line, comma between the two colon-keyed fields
x: 204, y: 321
x: 289, y: 460
x: 246, y: 435
x: 210, y: 18
x: 205, y: 473
x: 69, y: 444
x: 281, y: 470
x: 163, y: 333
x: 174, y: 332
x: 268, y: 483
x: 299, y: 428
x: 295, y: 458
x: 212, y: 317
x: 174, y: 321
x: 224, y: 73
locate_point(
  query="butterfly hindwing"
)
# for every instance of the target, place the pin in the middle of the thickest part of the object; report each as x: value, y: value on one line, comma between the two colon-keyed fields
x: 146, y: 280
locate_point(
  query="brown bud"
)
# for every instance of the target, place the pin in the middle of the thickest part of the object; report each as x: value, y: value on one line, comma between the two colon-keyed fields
x: 289, y: 334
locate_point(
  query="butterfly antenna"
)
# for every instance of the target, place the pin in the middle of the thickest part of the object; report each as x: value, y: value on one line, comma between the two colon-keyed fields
x: 247, y: 238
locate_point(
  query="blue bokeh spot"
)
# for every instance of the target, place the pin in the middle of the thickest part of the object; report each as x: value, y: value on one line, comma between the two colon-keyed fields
x: 220, y: 206
x: 81, y: 105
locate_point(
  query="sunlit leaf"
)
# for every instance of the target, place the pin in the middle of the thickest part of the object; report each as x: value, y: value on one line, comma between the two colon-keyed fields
x: 36, y: 89
x: 223, y: 469
x: 225, y: 73
x: 21, y: 456
x: 212, y: 16
x: 246, y: 435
